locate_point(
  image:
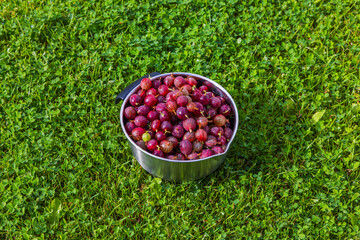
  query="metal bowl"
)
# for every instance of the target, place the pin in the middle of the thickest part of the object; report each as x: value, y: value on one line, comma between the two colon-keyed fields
x: 178, y: 170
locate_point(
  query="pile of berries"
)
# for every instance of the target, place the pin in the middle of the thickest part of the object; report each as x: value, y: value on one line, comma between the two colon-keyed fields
x: 178, y: 118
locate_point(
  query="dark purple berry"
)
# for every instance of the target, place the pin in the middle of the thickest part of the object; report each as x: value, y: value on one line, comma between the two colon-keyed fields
x: 180, y: 156
x: 205, y: 99
x: 189, y: 136
x: 211, y: 113
x: 171, y: 96
x: 158, y: 153
x: 151, y: 91
x: 156, y: 84
x: 160, y: 107
x: 207, y: 129
x: 163, y: 90
x: 228, y: 133
x: 169, y: 81
x: 191, y: 81
x: 150, y: 100
x: 222, y: 140
x: 174, y: 119
x: 143, y: 110
x: 217, y: 150
x: 161, y: 99
x: 164, y: 116
x: 129, y: 126
x: 206, y: 153
x: 222, y: 100
x: 182, y: 113
x: 215, y: 102
x: 189, y: 124
x: 166, y: 126
x: 155, y: 125
x: 211, y: 141
x: 130, y: 113
x: 197, y: 146
x: 196, y: 95
x: 141, y: 144
x: 173, y: 140
x: 216, y: 131
x: 182, y: 101
x: 203, y: 89
x: 135, y: 100
x: 199, y: 109
x: 141, y: 93
x: 185, y: 147
x: 179, y: 81
x: 152, y: 133
x: 140, y: 121
x: 186, y: 89
x: 225, y: 110
x: 159, y: 136
x: 178, y: 131
x: 152, y: 115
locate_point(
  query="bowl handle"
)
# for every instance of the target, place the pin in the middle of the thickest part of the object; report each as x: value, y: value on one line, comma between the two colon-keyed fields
x: 122, y: 95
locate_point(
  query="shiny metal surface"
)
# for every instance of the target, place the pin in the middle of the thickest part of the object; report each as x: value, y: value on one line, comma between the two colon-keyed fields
x: 182, y: 170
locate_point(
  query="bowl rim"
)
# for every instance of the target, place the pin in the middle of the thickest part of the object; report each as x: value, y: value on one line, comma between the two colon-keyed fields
x: 192, y: 75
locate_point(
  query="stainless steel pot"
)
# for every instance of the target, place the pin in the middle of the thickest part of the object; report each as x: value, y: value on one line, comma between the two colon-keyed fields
x: 178, y: 170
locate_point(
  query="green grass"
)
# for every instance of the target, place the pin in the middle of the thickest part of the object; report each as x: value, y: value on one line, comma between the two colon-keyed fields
x: 292, y: 68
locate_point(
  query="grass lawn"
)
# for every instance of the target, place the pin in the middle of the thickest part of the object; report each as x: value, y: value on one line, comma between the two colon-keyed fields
x: 292, y: 68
